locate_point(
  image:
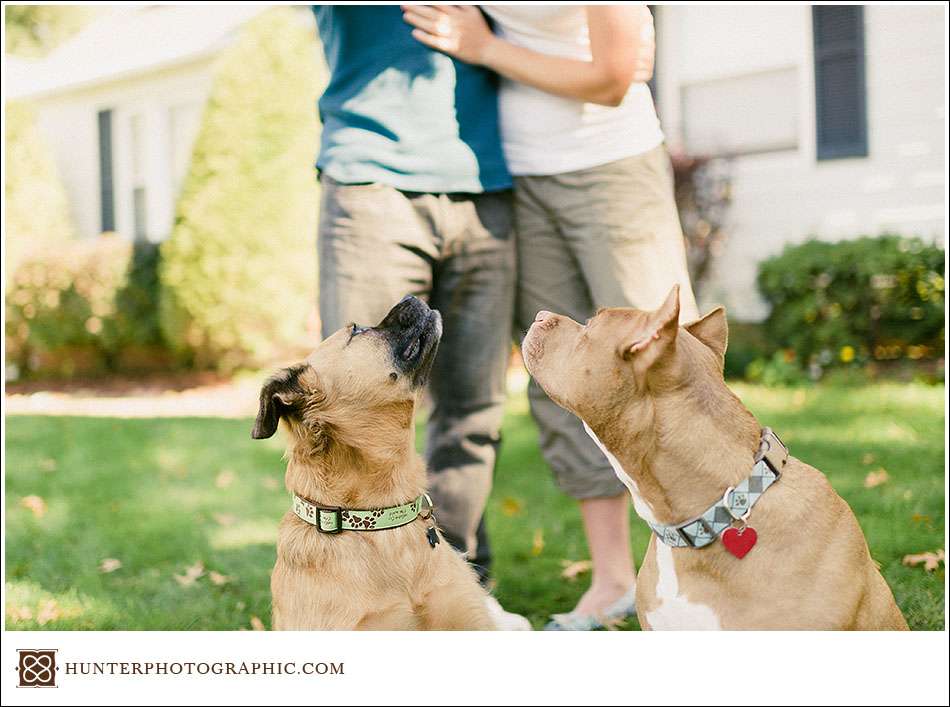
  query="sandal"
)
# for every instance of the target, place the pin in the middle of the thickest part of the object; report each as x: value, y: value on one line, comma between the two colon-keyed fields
x: 623, y: 608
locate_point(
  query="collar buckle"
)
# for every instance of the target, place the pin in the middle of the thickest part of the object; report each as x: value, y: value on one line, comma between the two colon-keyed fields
x: 337, y: 516
x: 775, y: 454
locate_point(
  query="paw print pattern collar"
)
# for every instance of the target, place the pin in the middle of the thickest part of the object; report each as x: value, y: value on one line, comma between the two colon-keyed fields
x: 332, y: 520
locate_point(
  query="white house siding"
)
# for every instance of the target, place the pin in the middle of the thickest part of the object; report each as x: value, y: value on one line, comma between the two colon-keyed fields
x: 169, y: 104
x: 784, y: 196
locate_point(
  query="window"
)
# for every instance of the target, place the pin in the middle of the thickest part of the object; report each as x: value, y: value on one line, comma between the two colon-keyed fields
x: 840, y: 95
x: 106, y: 195
x: 742, y: 115
x: 137, y: 144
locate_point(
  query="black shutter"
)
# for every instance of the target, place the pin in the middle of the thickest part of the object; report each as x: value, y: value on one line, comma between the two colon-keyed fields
x: 840, y: 94
x: 656, y: 29
x: 106, y: 191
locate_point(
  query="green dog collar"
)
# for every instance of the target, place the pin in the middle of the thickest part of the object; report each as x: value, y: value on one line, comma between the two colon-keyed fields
x: 333, y: 520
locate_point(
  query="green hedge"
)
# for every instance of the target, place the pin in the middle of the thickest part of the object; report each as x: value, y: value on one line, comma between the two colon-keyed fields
x: 239, y: 270
x: 36, y: 210
x: 856, y: 301
x: 85, y: 307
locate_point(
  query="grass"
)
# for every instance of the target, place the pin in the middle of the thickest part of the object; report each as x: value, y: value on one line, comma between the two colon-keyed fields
x: 162, y: 495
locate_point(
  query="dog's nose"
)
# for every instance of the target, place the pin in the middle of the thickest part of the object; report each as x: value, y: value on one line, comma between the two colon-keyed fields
x: 542, y: 315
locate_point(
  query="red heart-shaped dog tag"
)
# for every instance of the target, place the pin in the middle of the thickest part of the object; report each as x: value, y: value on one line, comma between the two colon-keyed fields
x: 739, y: 542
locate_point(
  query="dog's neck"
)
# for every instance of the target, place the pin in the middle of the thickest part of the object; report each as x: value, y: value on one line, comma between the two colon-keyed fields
x: 684, y: 448
x: 345, y: 476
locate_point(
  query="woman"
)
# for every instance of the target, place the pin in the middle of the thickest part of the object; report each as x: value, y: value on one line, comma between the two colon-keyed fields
x: 595, y: 218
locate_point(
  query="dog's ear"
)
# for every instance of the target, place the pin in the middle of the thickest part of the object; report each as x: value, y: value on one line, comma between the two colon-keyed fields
x: 281, y: 395
x: 645, y: 347
x: 712, y: 330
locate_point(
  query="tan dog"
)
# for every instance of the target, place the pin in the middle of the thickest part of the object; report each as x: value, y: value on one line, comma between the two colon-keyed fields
x: 349, y: 409
x: 652, y: 395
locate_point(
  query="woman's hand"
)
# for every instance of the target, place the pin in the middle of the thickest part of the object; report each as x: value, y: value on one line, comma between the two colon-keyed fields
x: 621, y: 44
x: 458, y: 30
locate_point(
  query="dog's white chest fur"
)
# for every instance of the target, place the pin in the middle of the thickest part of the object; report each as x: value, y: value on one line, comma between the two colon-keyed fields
x: 639, y: 504
x: 675, y: 611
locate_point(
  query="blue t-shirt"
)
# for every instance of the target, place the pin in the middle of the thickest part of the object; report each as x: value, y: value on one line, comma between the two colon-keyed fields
x: 402, y: 114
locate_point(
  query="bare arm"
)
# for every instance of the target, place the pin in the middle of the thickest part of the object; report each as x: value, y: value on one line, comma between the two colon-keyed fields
x: 621, y: 41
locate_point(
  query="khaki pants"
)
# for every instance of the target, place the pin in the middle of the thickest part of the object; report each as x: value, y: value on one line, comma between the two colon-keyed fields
x: 608, y: 236
x: 377, y: 244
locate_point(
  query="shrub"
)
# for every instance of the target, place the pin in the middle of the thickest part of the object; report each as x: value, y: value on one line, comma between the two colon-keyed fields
x: 856, y: 301
x: 84, y: 307
x: 238, y: 272
x: 36, y: 211
x: 780, y: 369
x: 747, y: 343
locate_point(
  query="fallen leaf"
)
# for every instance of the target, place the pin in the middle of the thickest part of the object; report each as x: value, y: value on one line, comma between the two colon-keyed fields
x: 257, y: 624
x: 47, y: 464
x: 868, y: 458
x: 109, y: 564
x: 34, y: 504
x: 48, y: 611
x: 225, y: 519
x: 224, y: 478
x: 876, y: 478
x: 908, y: 494
x: 573, y: 569
x: 191, y: 575
x: 511, y: 506
x: 537, y: 542
x: 930, y: 560
x: 218, y: 579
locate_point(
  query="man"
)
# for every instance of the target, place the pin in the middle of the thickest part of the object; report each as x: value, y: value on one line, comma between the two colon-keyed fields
x: 416, y: 200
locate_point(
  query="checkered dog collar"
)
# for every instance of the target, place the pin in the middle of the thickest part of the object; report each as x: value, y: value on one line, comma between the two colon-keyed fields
x: 333, y: 520
x: 736, y: 503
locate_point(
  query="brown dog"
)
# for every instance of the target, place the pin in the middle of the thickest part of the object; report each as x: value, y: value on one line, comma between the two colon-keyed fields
x: 358, y: 550
x: 652, y: 395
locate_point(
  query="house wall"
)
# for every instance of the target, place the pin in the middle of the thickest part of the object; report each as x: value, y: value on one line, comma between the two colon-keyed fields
x: 167, y: 103
x: 785, y: 195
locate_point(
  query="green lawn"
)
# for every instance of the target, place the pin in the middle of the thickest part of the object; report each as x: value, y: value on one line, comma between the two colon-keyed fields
x: 162, y: 495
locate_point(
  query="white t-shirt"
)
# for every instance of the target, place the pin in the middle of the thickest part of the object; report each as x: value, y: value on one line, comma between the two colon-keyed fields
x: 547, y: 134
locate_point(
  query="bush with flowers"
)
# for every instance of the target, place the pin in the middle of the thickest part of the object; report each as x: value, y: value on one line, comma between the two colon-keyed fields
x: 855, y: 303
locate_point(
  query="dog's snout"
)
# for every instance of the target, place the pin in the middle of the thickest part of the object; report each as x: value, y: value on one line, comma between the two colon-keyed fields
x: 405, y: 315
x: 408, y: 310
